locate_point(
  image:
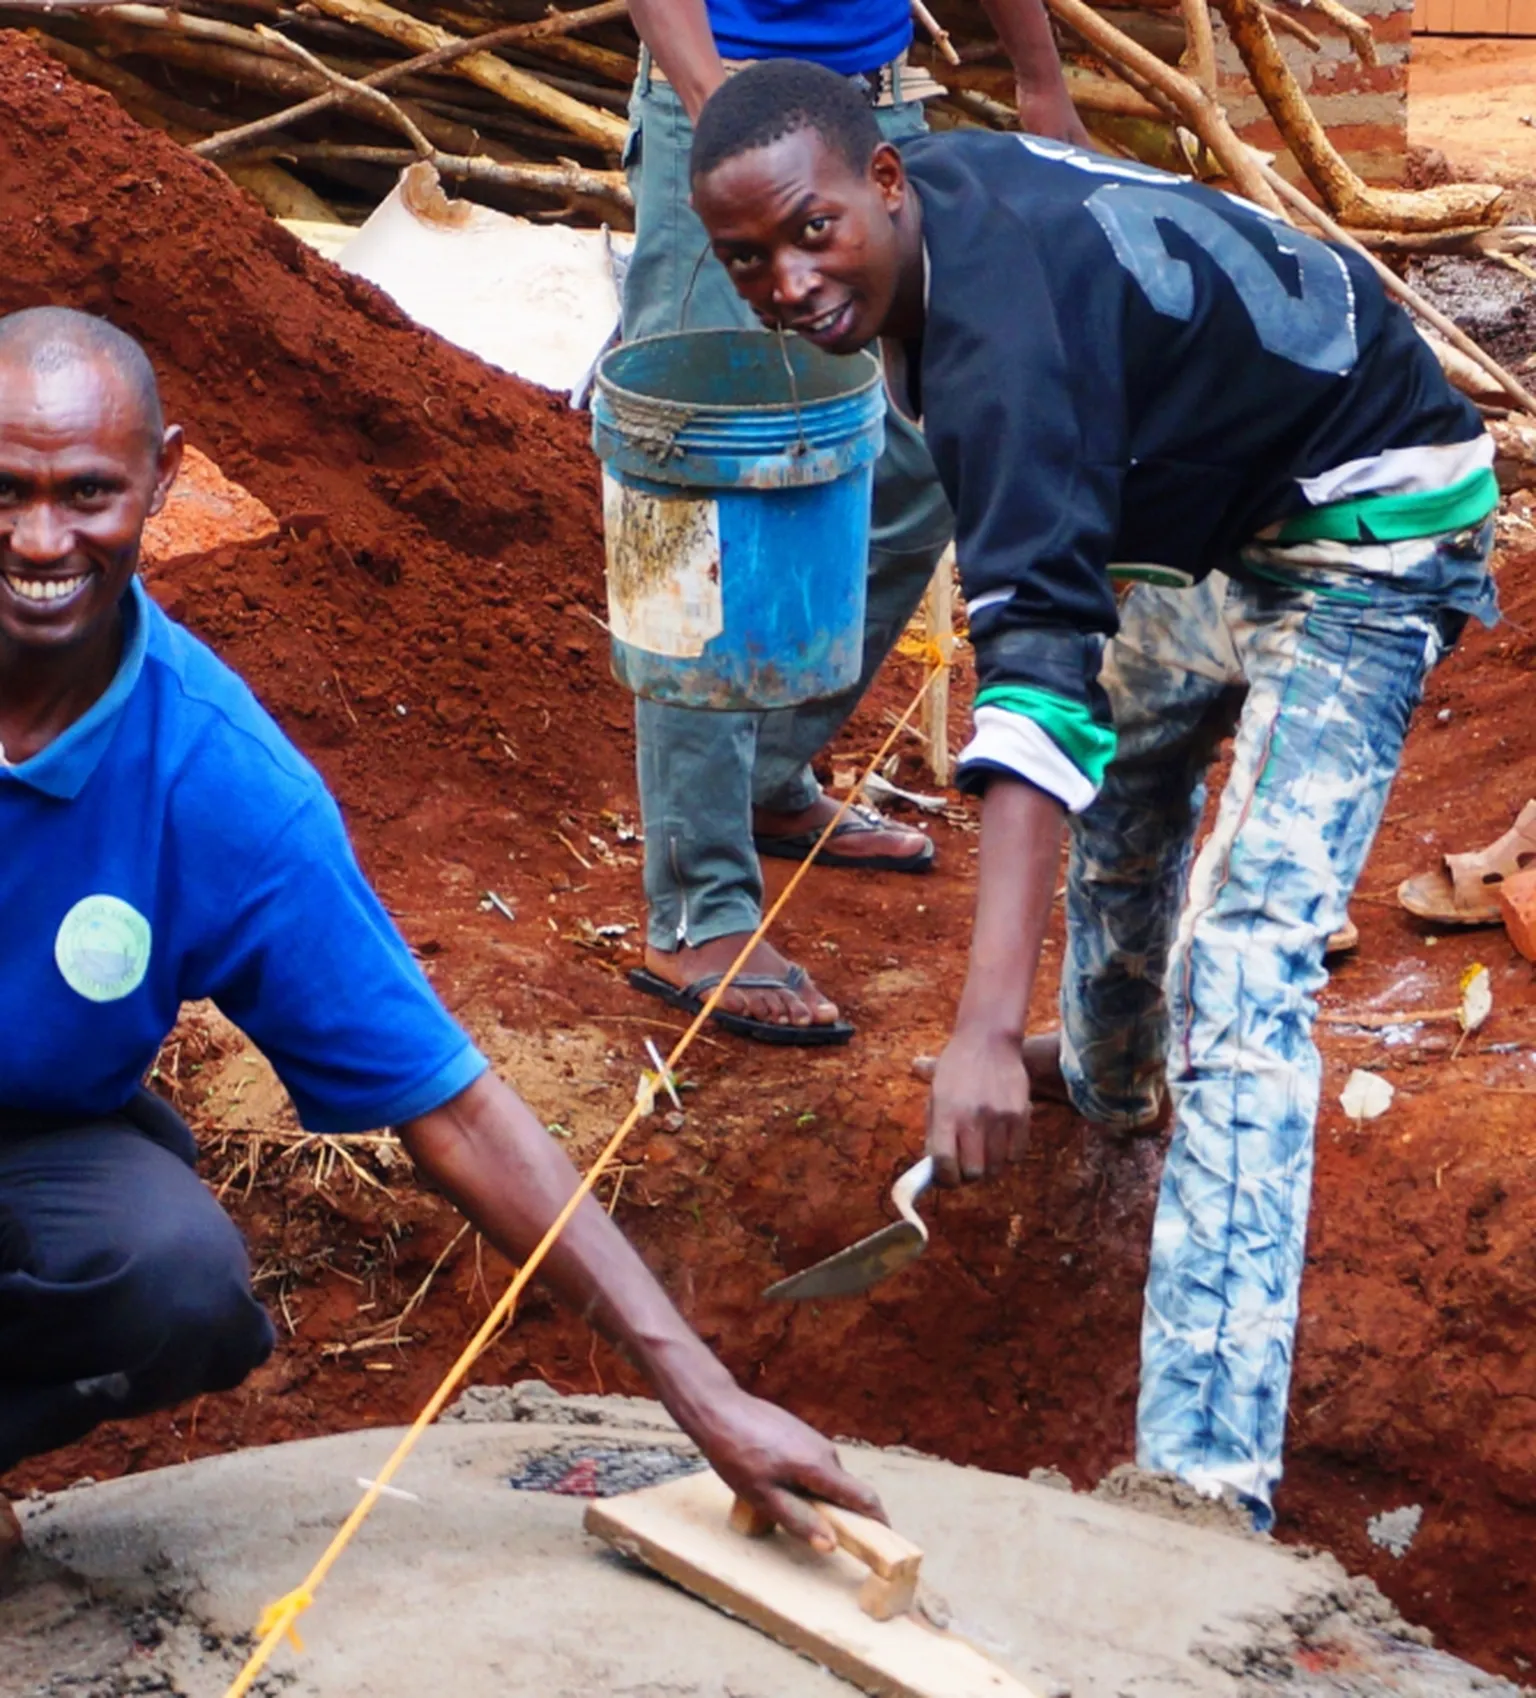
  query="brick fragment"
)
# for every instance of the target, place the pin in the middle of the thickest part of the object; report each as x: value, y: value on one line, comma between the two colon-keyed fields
x: 1517, y: 900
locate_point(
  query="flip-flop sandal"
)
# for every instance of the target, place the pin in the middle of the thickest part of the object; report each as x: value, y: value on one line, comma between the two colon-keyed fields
x: 690, y: 999
x: 1345, y: 941
x: 858, y: 821
x: 1465, y: 892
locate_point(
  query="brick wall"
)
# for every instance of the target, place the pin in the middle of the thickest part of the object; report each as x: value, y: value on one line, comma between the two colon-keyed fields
x: 1364, y: 110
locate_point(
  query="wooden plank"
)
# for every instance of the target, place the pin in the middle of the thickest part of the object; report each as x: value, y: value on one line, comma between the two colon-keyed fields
x: 804, y: 1600
x: 1522, y: 17
x: 939, y: 619
x: 1442, y: 15
x: 1479, y: 17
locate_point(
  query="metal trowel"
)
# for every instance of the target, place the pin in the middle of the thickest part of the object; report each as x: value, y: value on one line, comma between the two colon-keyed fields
x: 869, y: 1261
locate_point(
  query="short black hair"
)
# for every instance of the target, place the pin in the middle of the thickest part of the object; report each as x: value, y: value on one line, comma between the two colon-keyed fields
x: 775, y: 98
x: 50, y: 339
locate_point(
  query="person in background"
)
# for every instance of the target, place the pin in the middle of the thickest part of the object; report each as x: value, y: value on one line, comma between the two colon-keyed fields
x: 719, y: 789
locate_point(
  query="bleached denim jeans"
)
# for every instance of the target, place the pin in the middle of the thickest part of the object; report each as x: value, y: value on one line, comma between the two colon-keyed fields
x: 1203, y: 981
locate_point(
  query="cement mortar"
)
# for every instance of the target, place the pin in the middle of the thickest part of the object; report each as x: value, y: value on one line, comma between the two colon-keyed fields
x: 151, y: 1584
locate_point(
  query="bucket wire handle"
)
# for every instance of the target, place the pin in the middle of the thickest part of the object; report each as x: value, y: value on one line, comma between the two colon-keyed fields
x: 693, y: 278
x: 799, y: 448
x: 802, y: 447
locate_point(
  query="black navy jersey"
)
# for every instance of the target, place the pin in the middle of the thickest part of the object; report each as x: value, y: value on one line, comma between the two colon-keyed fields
x: 1119, y: 365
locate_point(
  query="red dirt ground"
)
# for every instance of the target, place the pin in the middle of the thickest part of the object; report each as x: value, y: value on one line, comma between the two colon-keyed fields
x: 423, y: 629
x: 1474, y: 100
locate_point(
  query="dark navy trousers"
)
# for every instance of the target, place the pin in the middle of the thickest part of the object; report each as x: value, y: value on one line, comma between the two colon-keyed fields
x: 124, y: 1287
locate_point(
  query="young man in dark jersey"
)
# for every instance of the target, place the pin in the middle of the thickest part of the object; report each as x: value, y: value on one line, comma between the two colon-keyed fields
x: 1121, y: 373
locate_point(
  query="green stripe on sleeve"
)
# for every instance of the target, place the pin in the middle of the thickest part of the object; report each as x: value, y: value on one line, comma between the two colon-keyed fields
x: 1070, y: 725
x: 1397, y: 518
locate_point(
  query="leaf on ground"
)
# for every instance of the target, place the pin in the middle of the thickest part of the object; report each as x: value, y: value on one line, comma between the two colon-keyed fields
x: 1366, y: 1095
x: 1476, y: 997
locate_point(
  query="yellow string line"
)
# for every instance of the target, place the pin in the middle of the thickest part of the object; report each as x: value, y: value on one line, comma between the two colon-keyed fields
x: 278, y: 1620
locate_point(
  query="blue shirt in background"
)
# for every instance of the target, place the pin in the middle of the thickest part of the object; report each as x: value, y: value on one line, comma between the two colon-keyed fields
x: 846, y: 36
x: 173, y: 845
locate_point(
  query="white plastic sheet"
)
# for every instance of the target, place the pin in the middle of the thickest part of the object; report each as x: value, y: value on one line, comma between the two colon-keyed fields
x: 538, y: 300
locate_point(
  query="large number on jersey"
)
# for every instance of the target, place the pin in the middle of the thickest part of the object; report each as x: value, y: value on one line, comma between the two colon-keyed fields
x: 1315, y: 328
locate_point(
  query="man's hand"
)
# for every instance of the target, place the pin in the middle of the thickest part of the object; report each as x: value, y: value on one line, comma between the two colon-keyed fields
x: 1049, y: 111
x: 1045, y: 107
x: 978, y: 1114
x: 774, y: 1461
x: 486, y: 1152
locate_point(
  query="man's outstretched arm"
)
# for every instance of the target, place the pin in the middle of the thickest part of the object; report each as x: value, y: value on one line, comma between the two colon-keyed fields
x: 978, y: 1115
x: 486, y: 1151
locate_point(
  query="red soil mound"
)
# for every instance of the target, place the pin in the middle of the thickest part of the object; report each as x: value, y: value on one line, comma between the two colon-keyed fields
x: 438, y: 515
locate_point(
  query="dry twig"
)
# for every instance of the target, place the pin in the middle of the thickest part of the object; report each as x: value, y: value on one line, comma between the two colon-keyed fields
x: 518, y: 88
x: 438, y: 58
x: 354, y: 92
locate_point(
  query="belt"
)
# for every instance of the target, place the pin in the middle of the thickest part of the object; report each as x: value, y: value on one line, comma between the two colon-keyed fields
x: 894, y: 84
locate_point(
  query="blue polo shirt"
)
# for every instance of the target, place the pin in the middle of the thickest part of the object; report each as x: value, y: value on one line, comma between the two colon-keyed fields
x: 173, y: 845
x: 847, y: 36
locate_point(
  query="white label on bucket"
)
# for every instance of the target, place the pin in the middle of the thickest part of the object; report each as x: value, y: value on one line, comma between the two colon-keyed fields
x: 663, y: 570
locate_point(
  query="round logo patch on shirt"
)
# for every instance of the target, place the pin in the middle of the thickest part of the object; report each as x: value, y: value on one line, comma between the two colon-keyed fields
x: 103, y: 948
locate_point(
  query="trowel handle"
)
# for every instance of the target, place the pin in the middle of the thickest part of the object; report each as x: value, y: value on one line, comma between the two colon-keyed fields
x: 880, y: 1548
x: 911, y: 1185
x: 892, y: 1560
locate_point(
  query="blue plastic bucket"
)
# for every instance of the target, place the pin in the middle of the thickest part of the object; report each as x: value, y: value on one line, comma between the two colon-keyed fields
x: 737, y: 472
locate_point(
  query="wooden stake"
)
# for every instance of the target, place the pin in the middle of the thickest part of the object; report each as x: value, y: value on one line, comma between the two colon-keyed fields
x: 1351, y: 23
x: 1202, y: 43
x: 562, y: 180
x: 1287, y: 25
x: 939, y: 614
x: 937, y: 31
x: 556, y: 24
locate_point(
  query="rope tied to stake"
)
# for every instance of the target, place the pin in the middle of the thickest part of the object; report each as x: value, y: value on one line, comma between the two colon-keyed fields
x: 279, y: 1620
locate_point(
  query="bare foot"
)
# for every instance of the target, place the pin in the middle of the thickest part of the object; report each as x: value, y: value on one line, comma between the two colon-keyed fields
x: 864, y: 835
x: 1042, y: 1062
x: 805, y: 1007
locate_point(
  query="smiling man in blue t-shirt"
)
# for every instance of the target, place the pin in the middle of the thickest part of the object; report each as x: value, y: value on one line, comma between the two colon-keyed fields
x: 161, y: 840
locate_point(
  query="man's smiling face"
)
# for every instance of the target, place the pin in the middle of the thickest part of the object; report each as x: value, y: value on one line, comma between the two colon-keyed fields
x: 79, y: 474
x: 811, y: 243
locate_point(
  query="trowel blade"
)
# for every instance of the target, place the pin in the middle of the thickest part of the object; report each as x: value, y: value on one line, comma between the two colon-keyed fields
x: 857, y: 1268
